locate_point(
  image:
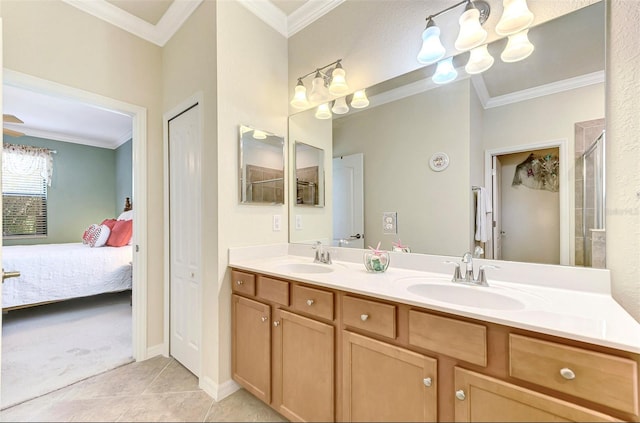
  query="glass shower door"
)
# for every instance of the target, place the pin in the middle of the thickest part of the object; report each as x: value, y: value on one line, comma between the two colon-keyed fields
x: 593, y: 224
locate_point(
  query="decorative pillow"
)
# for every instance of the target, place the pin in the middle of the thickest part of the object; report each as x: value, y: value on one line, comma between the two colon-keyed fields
x: 100, y: 236
x: 109, y: 223
x: 128, y: 215
x: 121, y: 233
x: 88, y: 233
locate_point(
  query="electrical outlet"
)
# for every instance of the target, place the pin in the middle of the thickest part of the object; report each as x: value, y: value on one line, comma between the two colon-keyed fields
x: 277, y: 222
x: 389, y: 222
x: 298, y: 222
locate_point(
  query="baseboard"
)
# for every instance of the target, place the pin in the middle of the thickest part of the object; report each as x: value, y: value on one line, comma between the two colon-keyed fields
x: 218, y: 391
x: 155, y: 350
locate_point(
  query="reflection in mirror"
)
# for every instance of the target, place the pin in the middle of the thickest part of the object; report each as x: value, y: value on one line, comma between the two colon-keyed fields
x: 261, y: 167
x: 553, y: 98
x: 309, y: 165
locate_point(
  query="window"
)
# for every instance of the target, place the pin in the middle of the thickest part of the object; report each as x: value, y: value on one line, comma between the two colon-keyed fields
x: 25, y: 177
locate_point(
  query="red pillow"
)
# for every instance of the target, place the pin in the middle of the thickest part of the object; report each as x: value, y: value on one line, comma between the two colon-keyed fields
x: 120, y: 233
x: 109, y: 223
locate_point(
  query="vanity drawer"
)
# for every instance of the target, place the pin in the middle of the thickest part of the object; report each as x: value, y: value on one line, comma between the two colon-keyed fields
x: 314, y: 301
x: 368, y: 315
x: 273, y: 290
x: 244, y: 283
x: 462, y: 340
x: 597, y: 377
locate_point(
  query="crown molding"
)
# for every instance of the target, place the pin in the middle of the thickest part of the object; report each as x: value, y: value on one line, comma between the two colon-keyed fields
x: 56, y: 136
x: 308, y: 13
x: 158, y: 34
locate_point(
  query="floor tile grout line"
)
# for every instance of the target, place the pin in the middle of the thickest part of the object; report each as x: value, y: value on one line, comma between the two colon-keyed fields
x: 157, y: 376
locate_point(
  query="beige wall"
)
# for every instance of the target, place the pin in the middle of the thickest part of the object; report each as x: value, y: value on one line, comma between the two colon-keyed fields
x: 57, y: 42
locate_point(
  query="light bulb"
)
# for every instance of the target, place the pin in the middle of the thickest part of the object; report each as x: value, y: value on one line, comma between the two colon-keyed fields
x: 338, y: 84
x: 340, y: 106
x: 518, y: 47
x: 471, y: 32
x: 323, y: 111
x: 259, y: 135
x: 359, y: 100
x: 432, y: 49
x: 516, y: 16
x: 299, y: 100
x: 445, y: 72
x: 479, y: 60
x: 319, y: 91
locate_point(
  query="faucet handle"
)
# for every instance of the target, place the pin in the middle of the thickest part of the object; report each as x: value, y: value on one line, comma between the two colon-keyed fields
x: 316, y: 245
x: 482, y: 277
x: 456, y: 272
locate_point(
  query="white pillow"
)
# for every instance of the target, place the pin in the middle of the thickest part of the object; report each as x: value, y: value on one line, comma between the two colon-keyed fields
x: 100, y: 236
x: 128, y: 215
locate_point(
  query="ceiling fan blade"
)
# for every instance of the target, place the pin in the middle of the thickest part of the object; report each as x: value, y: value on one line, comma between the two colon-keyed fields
x: 11, y: 119
x: 11, y: 132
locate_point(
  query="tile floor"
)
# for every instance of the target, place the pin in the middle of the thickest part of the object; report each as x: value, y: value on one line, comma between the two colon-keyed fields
x: 155, y: 390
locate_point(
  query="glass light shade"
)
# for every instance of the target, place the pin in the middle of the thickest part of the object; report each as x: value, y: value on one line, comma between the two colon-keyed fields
x: 479, y: 60
x: 359, y: 100
x: 445, y: 72
x: 432, y: 49
x: 340, y: 106
x: 323, y: 111
x: 338, y: 82
x: 259, y: 135
x: 518, y: 47
x: 471, y: 32
x: 516, y: 16
x: 319, y: 91
x: 299, y: 100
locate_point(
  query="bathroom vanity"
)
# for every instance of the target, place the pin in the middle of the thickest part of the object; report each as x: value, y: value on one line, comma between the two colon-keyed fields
x: 322, y: 342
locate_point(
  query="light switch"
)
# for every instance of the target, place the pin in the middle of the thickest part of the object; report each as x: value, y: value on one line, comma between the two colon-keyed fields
x: 298, y: 222
x: 389, y: 222
x: 277, y: 222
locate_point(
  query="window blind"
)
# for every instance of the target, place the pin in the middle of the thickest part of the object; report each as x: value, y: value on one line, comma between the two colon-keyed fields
x: 24, y: 202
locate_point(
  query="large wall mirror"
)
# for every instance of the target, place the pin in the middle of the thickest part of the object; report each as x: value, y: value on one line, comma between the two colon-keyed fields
x: 547, y: 110
x: 261, y: 167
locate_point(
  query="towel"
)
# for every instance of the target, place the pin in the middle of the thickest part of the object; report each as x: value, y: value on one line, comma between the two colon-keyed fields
x: 483, y: 207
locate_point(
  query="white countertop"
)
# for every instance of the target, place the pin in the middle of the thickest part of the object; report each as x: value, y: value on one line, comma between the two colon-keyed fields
x: 581, y: 308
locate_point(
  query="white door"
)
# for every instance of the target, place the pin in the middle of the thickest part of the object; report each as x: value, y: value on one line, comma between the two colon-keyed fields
x: 185, y: 239
x: 496, y: 171
x: 348, y: 201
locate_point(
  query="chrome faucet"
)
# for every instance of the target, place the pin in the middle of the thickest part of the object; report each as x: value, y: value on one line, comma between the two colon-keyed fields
x: 322, y: 256
x: 467, y: 260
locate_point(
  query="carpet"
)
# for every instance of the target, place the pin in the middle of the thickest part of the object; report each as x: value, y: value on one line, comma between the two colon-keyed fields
x: 51, y: 346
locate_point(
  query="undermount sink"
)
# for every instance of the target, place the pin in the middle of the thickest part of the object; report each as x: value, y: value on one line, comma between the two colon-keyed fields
x: 469, y: 296
x: 305, y: 268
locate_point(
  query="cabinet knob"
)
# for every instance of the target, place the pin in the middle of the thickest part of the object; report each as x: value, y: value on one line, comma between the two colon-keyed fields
x: 239, y: 282
x: 264, y: 319
x: 276, y: 323
x: 460, y: 395
x: 364, y: 317
x: 567, y: 373
x: 427, y: 381
x: 310, y: 302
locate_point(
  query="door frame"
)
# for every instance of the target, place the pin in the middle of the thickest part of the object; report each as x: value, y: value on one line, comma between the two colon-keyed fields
x: 139, y: 175
x: 194, y: 99
x: 567, y: 217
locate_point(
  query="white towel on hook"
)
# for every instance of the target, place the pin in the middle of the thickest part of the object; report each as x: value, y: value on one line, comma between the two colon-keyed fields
x: 483, y: 207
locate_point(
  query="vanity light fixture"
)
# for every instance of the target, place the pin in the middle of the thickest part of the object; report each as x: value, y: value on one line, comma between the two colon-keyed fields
x: 471, y: 32
x: 516, y: 16
x: 445, y: 72
x: 328, y: 80
x: 359, y: 100
x: 432, y: 49
x: 259, y: 135
x: 518, y: 47
x: 479, y: 60
x: 323, y: 111
x: 340, y: 106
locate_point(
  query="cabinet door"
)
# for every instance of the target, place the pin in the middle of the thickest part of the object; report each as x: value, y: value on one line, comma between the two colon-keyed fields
x: 481, y: 398
x: 303, y: 368
x: 251, y: 343
x: 382, y: 382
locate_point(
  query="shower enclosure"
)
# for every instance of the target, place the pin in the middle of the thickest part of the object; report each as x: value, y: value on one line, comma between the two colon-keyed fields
x: 593, y: 199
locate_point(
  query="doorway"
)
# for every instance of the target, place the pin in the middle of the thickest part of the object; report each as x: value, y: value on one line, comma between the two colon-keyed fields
x: 348, y: 201
x: 138, y: 117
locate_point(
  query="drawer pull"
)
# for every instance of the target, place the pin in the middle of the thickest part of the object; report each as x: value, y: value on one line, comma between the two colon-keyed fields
x: 364, y: 317
x: 427, y: 381
x: 310, y: 302
x: 239, y: 282
x: 264, y: 319
x: 460, y: 395
x: 276, y: 323
x: 567, y: 373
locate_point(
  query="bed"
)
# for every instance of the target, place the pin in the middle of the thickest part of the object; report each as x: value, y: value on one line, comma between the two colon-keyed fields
x: 57, y: 272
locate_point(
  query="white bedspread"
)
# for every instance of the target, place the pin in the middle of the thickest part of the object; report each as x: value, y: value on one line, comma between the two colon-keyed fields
x: 50, y: 272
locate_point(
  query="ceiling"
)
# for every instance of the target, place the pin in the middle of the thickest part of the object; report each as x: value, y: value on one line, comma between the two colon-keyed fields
x: 157, y: 20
